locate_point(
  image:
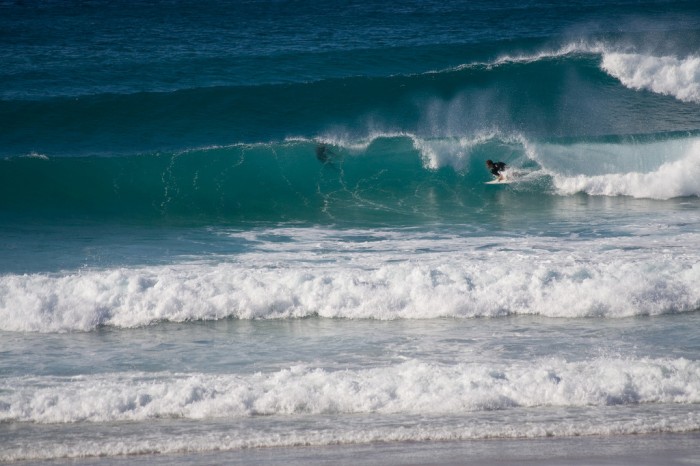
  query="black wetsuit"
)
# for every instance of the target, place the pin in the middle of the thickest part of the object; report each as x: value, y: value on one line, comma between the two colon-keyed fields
x: 322, y: 153
x: 498, y: 167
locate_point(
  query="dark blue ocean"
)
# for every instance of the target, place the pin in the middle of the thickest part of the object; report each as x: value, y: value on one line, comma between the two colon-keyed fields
x: 263, y: 226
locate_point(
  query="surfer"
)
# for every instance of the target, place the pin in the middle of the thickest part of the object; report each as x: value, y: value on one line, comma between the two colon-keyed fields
x: 323, y: 153
x: 496, y: 169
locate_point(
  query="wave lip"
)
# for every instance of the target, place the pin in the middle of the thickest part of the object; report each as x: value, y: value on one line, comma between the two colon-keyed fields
x: 667, y: 75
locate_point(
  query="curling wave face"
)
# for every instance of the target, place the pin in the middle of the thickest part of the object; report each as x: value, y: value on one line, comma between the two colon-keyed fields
x: 392, y: 177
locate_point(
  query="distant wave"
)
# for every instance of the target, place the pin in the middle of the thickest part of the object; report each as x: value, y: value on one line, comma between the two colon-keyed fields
x: 532, y: 93
x: 667, y: 75
x: 678, y: 77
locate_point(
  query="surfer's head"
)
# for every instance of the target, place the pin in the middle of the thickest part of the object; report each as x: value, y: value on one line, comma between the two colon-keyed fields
x: 489, y: 163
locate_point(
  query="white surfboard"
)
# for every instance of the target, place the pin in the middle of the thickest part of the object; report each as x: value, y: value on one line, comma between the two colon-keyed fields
x: 510, y: 175
x: 506, y: 181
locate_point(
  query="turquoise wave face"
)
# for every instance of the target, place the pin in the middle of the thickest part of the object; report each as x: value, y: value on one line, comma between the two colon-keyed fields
x: 397, y: 178
x: 275, y: 182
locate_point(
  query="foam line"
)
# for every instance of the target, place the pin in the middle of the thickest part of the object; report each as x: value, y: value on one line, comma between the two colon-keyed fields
x: 413, y: 387
x: 387, y: 280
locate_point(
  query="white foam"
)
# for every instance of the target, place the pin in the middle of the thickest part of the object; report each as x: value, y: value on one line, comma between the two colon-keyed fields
x: 397, y: 275
x: 443, y: 152
x: 101, y: 440
x: 672, y: 179
x: 36, y: 155
x: 436, y: 153
x: 667, y: 75
x: 354, y: 144
x: 571, y: 48
x: 410, y: 388
x: 456, y: 152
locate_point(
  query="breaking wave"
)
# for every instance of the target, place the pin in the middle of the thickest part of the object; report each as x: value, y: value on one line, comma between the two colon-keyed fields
x: 383, y: 279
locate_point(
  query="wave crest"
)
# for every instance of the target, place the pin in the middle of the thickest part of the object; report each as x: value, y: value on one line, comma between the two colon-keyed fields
x: 680, y: 178
x: 667, y: 75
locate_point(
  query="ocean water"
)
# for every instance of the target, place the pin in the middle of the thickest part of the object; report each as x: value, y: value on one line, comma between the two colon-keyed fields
x: 263, y: 226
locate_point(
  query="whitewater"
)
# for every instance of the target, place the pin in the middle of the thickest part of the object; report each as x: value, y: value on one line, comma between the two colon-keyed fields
x: 260, y: 232
x: 375, y: 274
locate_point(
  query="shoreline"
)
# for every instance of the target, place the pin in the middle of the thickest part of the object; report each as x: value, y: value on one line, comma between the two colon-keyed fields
x: 641, y: 450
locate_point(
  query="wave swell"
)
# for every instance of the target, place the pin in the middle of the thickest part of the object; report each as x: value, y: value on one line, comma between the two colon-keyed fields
x: 577, y: 90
